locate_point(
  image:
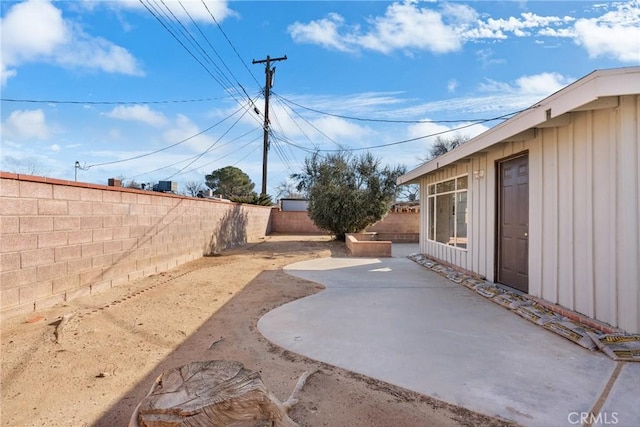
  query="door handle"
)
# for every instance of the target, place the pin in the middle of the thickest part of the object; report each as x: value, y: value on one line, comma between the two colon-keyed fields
x: 526, y: 234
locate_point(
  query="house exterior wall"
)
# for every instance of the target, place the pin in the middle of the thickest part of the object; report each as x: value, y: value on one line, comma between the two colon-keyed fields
x: 61, y: 239
x: 584, y: 204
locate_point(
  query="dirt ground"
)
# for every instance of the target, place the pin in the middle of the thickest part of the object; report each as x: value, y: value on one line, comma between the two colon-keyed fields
x: 117, y: 343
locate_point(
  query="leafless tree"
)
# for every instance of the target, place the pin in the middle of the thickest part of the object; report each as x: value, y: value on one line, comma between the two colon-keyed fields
x: 287, y: 189
x: 444, y: 145
x: 410, y: 192
x: 192, y: 188
x: 27, y: 166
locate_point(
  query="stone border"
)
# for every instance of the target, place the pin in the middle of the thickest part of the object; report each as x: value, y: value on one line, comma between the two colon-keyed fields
x: 573, y: 326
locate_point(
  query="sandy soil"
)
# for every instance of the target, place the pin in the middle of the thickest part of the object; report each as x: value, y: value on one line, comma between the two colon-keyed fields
x: 116, y: 344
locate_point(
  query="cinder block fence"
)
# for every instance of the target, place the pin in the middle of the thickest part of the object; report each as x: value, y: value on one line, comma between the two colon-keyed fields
x: 62, y: 239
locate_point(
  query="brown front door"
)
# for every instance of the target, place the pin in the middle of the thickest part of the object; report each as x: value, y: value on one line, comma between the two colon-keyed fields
x: 513, y: 223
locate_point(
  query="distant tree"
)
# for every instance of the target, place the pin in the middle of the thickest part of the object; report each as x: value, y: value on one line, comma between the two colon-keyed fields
x: 27, y: 166
x: 230, y: 182
x: 444, y: 145
x: 287, y: 189
x: 347, y: 193
x: 128, y: 183
x: 410, y: 192
x: 192, y: 188
x: 254, y: 199
x: 131, y: 184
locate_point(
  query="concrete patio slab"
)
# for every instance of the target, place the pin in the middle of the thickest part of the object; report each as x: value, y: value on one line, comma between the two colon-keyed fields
x: 395, y: 321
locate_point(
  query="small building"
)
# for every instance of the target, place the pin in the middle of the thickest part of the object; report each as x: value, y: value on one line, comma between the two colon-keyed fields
x: 294, y: 205
x: 548, y: 201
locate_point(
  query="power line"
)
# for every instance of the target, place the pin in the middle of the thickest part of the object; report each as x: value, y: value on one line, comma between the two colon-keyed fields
x: 165, y: 21
x: 198, y: 155
x: 170, y: 23
x: 195, y: 24
x: 51, y: 101
x: 210, y: 147
x: 389, y: 120
x: 167, y: 147
x: 182, y: 172
x: 421, y: 137
x: 232, y: 46
x: 310, y: 124
x: 196, y: 44
x: 166, y: 27
x: 404, y: 141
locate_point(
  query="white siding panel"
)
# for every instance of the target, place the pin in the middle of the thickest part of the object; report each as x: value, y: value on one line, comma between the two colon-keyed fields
x: 481, y: 221
x: 549, y: 215
x: 565, y: 242
x: 536, y: 186
x: 582, y: 225
x: 603, y: 200
x: 628, y: 211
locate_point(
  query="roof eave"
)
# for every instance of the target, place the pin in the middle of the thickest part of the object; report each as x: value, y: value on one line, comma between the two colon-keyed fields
x: 598, y: 84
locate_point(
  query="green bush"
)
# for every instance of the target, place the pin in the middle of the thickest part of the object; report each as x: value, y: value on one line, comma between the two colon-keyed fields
x: 347, y: 193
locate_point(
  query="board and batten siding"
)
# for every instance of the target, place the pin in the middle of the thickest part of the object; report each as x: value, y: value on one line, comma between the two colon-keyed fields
x: 584, y: 209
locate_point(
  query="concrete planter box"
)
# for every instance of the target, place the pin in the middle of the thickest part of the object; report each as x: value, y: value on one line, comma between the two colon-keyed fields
x: 367, y: 245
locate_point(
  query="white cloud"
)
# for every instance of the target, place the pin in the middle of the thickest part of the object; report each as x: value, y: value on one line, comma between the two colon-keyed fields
x: 459, y: 14
x: 26, y: 124
x: 422, y: 129
x: 538, y: 85
x: 452, y: 85
x: 139, y: 113
x: 340, y: 130
x: 404, y: 26
x: 615, y: 34
x: 409, y: 26
x: 36, y: 31
x: 542, y: 84
x: 21, y: 43
x: 434, y: 130
x: 86, y: 51
x: 324, y: 32
x: 485, y: 56
x: 197, y: 9
x: 184, y: 128
x: 54, y: 147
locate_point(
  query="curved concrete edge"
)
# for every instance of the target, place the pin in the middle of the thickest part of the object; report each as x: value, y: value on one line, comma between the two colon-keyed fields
x: 392, y: 320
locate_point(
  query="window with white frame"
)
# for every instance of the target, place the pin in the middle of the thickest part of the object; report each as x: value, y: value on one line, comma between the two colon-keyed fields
x: 448, y: 212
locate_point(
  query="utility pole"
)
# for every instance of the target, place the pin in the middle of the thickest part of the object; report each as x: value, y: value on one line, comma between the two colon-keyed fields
x: 269, y: 72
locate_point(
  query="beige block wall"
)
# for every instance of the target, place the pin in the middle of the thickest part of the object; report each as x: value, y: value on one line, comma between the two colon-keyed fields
x: 61, y: 239
x: 396, y: 226
x: 293, y: 222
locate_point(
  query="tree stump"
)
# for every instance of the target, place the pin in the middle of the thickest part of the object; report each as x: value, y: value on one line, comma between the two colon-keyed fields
x: 213, y: 393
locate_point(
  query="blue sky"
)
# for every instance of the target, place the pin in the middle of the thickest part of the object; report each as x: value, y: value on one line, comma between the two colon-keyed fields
x: 110, y: 79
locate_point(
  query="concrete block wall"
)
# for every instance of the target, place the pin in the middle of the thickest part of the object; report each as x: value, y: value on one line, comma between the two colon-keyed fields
x: 61, y: 239
x: 398, y: 223
x: 293, y: 222
x: 367, y: 245
x: 399, y: 227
